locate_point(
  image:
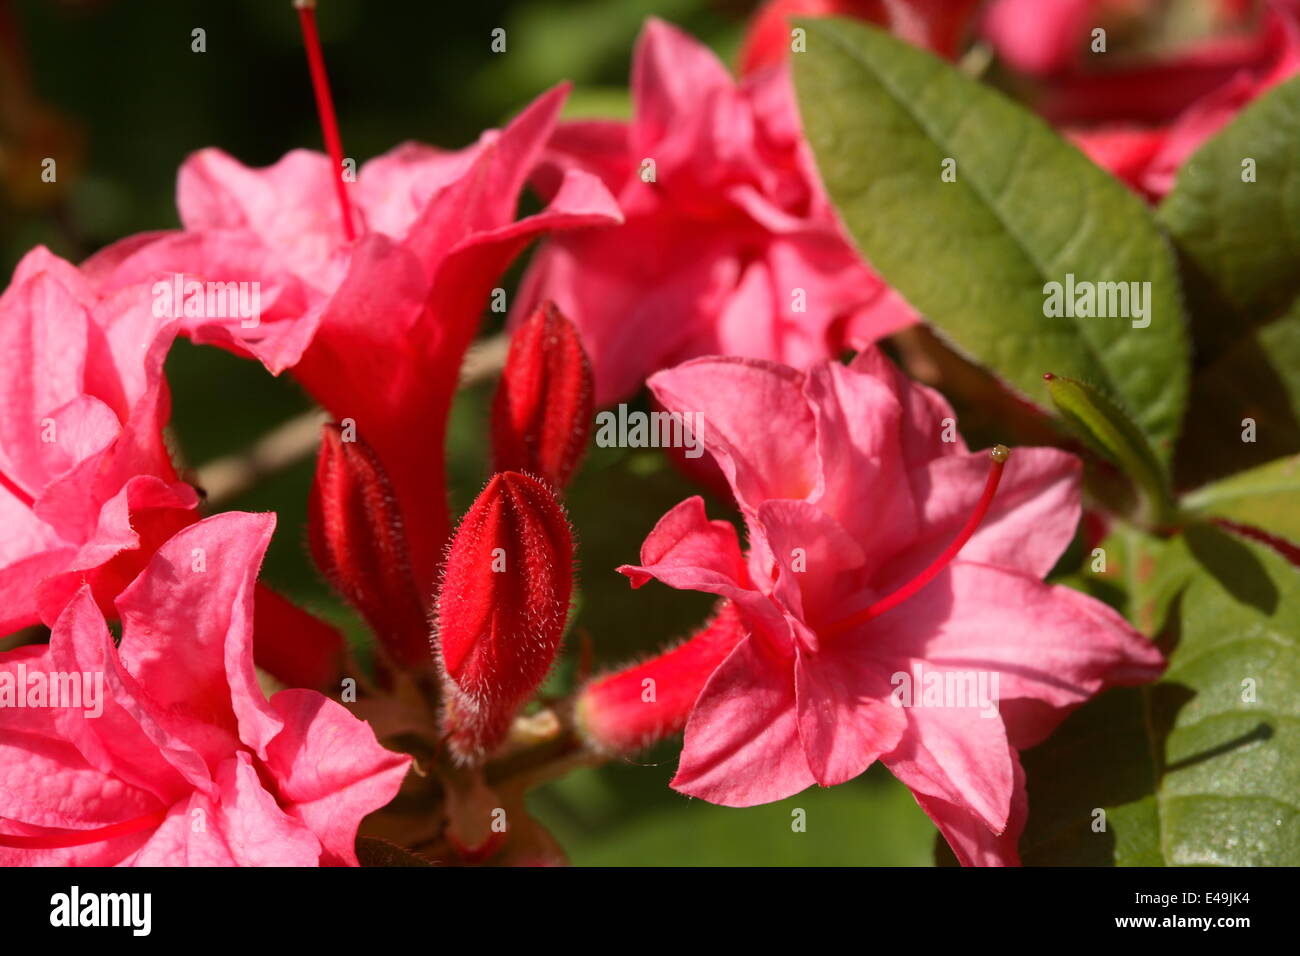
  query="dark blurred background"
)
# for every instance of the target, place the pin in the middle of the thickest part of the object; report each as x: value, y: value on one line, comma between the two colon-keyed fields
x: 112, y: 90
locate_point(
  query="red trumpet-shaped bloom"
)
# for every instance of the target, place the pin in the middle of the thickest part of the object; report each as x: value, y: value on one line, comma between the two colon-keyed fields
x: 542, y: 413
x: 501, y: 612
x: 355, y: 531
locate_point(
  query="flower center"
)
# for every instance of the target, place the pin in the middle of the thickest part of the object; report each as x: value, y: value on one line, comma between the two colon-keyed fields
x: 999, y: 455
x: 325, y: 107
x: 67, y: 838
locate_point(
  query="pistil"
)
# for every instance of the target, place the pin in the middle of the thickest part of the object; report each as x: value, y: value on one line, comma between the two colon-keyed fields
x: 325, y: 107
x: 69, y: 838
x: 999, y: 455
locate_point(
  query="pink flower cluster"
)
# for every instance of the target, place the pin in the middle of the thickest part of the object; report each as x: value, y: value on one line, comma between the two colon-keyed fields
x: 692, y: 247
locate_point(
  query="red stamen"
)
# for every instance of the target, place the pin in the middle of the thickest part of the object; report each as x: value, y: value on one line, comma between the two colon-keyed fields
x: 999, y: 454
x: 325, y: 107
x: 67, y: 838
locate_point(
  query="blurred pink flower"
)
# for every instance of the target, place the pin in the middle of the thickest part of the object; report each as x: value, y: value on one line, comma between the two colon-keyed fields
x: 730, y: 245
x: 187, y: 763
x: 854, y: 505
x: 937, y: 25
x: 1141, y: 119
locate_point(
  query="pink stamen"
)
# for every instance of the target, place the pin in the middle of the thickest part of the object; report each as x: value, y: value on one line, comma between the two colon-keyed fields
x: 325, y: 107
x: 999, y: 454
x: 67, y: 838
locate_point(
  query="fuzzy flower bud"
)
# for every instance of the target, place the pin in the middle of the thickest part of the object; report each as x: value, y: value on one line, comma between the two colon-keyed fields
x: 542, y: 413
x: 355, y: 532
x: 502, y: 608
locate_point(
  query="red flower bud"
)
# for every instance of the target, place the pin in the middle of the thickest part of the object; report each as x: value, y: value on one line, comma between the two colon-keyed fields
x: 355, y: 532
x: 502, y: 608
x: 637, y: 706
x: 542, y: 413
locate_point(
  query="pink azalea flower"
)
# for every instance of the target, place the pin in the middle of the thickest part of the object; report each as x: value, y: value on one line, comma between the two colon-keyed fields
x: 876, y: 549
x: 731, y: 247
x: 374, y: 327
x: 186, y: 763
x: 87, y: 489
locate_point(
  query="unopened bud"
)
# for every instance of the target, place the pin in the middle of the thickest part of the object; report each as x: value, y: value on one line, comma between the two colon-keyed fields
x: 355, y: 532
x: 542, y: 413
x: 502, y: 608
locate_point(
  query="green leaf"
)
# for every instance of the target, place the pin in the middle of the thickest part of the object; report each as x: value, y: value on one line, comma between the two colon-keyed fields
x: 1267, y: 497
x: 974, y: 255
x: 1138, y: 574
x: 1111, y: 433
x: 625, y: 815
x: 1257, y: 378
x: 1240, y: 241
x: 1203, y: 767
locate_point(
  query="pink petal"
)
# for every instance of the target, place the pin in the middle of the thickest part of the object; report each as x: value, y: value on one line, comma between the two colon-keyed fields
x: 742, y: 744
x: 1046, y: 643
x: 188, y: 626
x: 958, y: 754
x: 864, y: 473
x: 254, y: 826
x: 732, y: 394
x: 806, y: 554
x: 972, y: 842
x: 330, y: 770
x: 43, y: 331
x: 124, y: 739
x: 280, y: 203
x: 1031, y: 521
x: 1039, y: 36
x: 632, y: 295
x: 846, y: 721
x: 671, y: 73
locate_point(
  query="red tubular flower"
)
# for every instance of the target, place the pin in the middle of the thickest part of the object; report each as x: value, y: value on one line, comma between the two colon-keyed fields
x: 635, y: 707
x: 355, y: 532
x: 501, y: 612
x: 542, y: 413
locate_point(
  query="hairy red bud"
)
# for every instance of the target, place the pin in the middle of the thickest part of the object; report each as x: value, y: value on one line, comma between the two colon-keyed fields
x: 542, y: 413
x: 639, y: 705
x: 502, y: 608
x: 355, y: 532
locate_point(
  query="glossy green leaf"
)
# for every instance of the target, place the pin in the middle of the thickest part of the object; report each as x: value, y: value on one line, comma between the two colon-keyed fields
x: 1267, y: 497
x: 1240, y: 239
x: 625, y: 815
x: 1244, y: 409
x: 976, y: 255
x: 1203, y: 767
